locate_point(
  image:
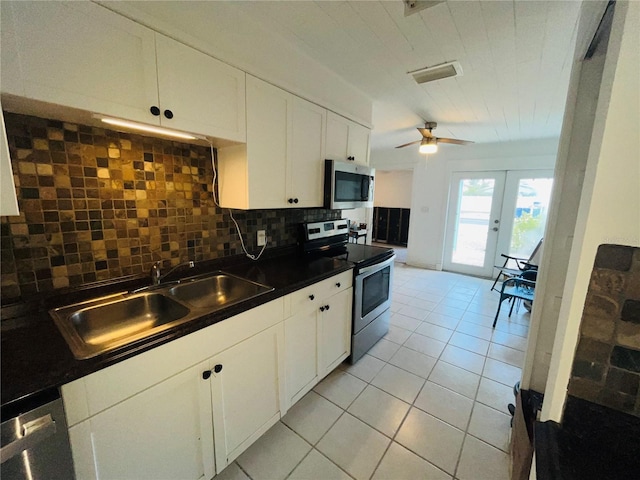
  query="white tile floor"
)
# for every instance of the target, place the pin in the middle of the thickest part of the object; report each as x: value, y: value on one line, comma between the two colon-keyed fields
x: 429, y: 401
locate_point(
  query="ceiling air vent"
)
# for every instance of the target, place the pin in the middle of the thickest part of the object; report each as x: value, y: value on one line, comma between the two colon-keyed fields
x: 437, y: 72
x: 414, y: 6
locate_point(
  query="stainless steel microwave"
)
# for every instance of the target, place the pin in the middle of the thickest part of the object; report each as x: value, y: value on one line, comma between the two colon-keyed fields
x: 347, y: 185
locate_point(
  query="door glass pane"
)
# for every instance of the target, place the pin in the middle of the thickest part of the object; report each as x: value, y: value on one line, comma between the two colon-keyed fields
x: 530, y: 215
x: 472, y: 221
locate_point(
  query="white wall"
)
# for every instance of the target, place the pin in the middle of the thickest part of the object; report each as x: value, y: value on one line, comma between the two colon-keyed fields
x: 610, y: 205
x: 431, y: 179
x: 580, y: 111
x: 393, y: 189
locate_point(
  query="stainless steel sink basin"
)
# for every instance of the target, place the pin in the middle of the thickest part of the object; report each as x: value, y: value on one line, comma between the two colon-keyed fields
x: 115, y: 321
x: 217, y: 291
x: 97, y: 326
x: 125, y: 318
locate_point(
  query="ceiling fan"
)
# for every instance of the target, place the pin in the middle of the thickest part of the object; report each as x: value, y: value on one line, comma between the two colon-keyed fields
x: 429, y: 143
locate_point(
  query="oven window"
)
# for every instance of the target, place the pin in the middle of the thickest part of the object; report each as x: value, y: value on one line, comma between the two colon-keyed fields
x: 375, y: 290
x: 351, y: 187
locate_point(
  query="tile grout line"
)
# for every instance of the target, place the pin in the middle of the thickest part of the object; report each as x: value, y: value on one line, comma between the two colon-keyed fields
x: 421, y: 389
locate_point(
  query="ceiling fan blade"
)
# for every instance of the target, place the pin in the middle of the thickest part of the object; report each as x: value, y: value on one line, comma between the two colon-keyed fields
x: 407, y: 144
x: 425, y: 132
x: 454, y: 141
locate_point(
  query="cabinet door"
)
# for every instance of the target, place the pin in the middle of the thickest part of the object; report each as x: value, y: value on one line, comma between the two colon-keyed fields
x: 337, y: 143
x: 8, y: 199
x: 268, y: 136
x: 162, y: 432
x: 81, y: 55
x: 359, y: 143
x: 306, y: 173
x: 301, y: 354
x: 383, y: 224
x: 335, y: 331
x: 246, y: 393
x: 205, y: 95
x: 404, y: 226
x: 394, y: 226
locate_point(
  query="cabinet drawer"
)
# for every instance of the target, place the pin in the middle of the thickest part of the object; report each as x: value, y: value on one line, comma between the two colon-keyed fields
x: 339, y: 283
x: 311, y: 296
x: 306, y: 298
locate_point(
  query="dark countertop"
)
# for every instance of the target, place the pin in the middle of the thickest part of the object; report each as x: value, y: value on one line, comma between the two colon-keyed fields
x: 592, y: 443
x: 35, y: 357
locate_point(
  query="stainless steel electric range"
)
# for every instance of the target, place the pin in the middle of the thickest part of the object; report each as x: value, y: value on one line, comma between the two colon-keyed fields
x: 373, y: 276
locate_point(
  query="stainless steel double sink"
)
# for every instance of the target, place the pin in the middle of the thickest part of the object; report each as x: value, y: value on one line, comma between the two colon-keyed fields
x: 103, y: 324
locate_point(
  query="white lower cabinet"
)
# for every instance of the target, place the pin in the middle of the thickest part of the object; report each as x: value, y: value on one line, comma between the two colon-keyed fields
x: 162, y: 432
x: 190, y: 407
x: 335, y: 330
x: 246, y: 393
x: 317, y: 333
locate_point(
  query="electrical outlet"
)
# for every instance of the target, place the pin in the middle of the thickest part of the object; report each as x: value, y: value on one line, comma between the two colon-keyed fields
x: 262, y: 237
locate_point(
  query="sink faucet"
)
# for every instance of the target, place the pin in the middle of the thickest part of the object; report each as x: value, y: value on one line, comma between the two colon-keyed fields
x: 156, y: 271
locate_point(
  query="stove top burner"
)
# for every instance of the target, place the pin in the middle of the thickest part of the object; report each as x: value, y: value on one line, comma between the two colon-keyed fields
x: 330, y: 239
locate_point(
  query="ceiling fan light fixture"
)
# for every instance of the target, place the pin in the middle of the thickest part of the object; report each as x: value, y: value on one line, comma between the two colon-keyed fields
x: 437, y: 72
x: 428, y: 145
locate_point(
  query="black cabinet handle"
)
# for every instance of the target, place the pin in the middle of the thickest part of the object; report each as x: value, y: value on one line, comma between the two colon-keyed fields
x: 206, y: 374
x: 295, y: 200
x: 217, y: 368
x: 352, y: 158
x: 311, y: 297
x: 155, y: 111
x: 290, y: 200
x: 326, y: 307
x: 322, y: 309
x: 168, y: 114
x: 338, y: 284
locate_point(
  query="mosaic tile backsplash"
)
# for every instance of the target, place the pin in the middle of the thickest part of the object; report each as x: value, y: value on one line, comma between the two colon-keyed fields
x: 606, y: 367
x: 97, y: 204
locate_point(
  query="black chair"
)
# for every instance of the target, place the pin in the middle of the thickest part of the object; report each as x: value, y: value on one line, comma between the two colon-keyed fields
x: 517, y: 265
x: 516, y: 290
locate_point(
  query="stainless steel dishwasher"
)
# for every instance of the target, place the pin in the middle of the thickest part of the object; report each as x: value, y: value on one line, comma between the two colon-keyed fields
x: 34, y: 439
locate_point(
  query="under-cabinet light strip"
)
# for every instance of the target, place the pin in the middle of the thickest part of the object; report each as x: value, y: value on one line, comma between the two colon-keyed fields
x: 146, y: 128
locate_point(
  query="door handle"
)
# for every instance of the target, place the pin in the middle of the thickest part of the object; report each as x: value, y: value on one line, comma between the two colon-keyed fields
x: 33, y: 433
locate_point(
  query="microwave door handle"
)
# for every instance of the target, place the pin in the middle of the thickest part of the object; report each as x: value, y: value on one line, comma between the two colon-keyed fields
x: 364, y: 188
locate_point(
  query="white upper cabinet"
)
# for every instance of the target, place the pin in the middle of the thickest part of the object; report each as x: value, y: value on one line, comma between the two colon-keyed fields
x: 346, y: 140
x: 337, y: 144
x: 8, y: 199
x: 80, y: 55
x: 306, y: 162
x: 203, y: 94
x: 281, y: 164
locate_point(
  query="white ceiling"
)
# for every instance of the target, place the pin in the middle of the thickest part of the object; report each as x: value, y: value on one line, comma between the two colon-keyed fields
x: 516, y: 56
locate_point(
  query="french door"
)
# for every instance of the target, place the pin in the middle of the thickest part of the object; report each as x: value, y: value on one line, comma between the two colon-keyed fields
x: 492, y: 213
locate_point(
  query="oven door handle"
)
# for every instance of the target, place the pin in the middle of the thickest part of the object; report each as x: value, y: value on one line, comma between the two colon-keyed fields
x: 376, y: 267
x: 33, y: 433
